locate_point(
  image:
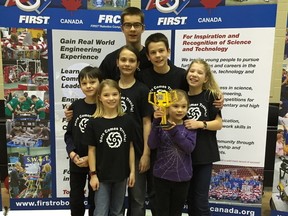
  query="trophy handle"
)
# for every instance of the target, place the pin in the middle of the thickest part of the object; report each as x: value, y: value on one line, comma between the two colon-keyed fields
x: 151, y: 98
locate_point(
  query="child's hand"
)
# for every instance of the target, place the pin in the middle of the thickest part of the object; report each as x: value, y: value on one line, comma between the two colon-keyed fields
x: 219, y: 102
x: 94, y: 182
x: 158, y: 113
x: 144, y: 163
x: 193, y: 124
x: 68, y: 113
x: 173, y: 124
x: 82, y: 162
x: 131, y: 180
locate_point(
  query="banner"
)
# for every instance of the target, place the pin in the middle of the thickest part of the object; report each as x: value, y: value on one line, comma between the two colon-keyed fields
x: 280, y: 186
x: 240, y: 52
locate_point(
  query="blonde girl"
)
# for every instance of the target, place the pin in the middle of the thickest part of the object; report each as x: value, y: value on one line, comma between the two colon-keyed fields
x: 109, y: 136
x: 206, y: 118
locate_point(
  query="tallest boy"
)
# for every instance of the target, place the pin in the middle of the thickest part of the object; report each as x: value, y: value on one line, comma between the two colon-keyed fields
x: 132, y: 25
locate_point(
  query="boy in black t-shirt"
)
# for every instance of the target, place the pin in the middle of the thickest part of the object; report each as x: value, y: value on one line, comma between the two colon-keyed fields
x: 132, y: 26
x: 89, y: 79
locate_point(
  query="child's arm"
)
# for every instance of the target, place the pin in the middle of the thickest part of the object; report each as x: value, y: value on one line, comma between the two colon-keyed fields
x: 186, y: 142
x: 144, y: 163
x: 70, y: 148
x: 131, y: 180
x: 219, y: 102
x: 213, y: 125
x: 68, y: 112
x: 94, y: 181
x: 153, y: 139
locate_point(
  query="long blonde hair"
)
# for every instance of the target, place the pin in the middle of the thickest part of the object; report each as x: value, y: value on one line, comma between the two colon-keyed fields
x: 100, y: 108
x: 211, y: 83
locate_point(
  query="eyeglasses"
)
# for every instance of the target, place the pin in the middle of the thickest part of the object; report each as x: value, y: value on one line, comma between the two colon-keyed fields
x: 136, y: 25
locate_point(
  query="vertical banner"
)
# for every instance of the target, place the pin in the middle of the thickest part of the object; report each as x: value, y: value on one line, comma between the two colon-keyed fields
x: 73, y: 50
x: 280, y: 181
x: 241, y: 59
x: 236, y: 41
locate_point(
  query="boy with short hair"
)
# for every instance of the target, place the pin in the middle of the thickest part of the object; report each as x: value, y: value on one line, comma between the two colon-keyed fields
x: 89, y: 79
x: 163, y: 75
x: 132, y: 26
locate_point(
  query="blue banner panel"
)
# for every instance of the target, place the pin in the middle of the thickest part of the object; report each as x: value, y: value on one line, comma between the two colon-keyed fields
x: 190, y: 18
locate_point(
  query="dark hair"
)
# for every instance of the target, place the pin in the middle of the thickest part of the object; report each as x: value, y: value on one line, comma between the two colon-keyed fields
x: 90, y: 72
x: 132, y: 11
x: 156, y: 37
x: 33, y: 96
x: 130, y: 48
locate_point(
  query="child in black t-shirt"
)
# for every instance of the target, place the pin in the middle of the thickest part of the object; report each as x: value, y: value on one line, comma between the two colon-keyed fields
x: 134, y: 102
x: 89, y: 79
x: 109, y: 136
x: 206, y: 118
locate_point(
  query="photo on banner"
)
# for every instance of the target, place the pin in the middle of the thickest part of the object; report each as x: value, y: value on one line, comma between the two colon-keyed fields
x: 26, y: 90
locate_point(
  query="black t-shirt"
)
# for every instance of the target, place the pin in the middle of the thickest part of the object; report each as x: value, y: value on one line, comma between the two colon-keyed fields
x: 112, y: 138
x: 175, y: 78
x: 201, y: 108
x: 82, y: 112
x: 109, y: 69
x: 134, y: 101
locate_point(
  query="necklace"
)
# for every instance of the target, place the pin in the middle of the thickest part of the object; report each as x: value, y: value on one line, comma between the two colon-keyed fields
x: 125, y: 85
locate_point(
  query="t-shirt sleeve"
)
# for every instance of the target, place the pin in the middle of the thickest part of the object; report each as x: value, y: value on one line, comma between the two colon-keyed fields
x: 89, y: 137
x: 147, y: 108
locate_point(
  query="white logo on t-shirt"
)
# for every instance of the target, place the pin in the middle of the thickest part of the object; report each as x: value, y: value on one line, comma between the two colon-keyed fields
x: 114, y: 139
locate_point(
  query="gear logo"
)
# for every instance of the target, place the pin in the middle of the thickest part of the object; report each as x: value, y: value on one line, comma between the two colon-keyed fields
x: 123, y: 105
x: 114, y: 140
x: 82, y: 124
x: 194, y: 113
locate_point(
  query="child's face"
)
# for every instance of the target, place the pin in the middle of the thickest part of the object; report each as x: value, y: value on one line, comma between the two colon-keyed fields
x: 89, y: 86
x: 127, y: 63
x: 196, y: 75
x: 158, y: 54
x: 133, y: 34
x: 110, y: 97
x: 178, y: 110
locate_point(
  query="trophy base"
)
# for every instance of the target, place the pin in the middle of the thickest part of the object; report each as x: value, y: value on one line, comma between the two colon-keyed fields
x: 168, y: 125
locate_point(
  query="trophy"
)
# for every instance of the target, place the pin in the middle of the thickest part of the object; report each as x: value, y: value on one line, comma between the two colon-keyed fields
x: 163, y: 99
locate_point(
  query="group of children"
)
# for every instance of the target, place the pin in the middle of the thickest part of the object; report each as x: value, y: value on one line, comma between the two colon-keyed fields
x: 114, y: 135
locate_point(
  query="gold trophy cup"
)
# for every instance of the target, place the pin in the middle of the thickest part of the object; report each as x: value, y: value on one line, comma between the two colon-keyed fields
x: 163, y: 99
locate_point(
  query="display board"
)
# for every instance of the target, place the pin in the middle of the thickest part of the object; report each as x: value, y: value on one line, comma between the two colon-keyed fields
x: 237, y: 40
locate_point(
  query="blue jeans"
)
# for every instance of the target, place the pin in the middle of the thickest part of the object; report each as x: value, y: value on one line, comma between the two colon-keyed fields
x: 109, y: 198
x: 137, y: 194
x: 197, y: 200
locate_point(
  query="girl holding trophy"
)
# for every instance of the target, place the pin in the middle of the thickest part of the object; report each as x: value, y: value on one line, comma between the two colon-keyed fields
x: 173, y: 165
